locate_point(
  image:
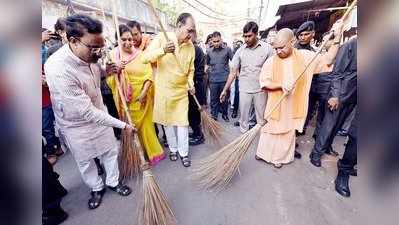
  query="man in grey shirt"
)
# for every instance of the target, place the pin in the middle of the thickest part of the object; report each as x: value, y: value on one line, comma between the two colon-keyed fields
x: 217, y: 61
x: 249, y: 58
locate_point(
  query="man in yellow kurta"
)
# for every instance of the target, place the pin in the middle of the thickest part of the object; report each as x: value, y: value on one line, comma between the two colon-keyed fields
x: 278, y: 75
x: 175, y: 71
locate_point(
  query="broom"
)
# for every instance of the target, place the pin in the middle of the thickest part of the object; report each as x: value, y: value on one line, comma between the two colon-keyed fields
x: 216, y: 171
x: 129, y: 159
x: 211, y: 128
x: 155, y: 209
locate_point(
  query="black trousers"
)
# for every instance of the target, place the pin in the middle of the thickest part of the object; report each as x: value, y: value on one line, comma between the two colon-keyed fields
x: 52, y: 190
x: 313, y: 99
x: 108, y: 100
x: 216, y: 89
x: 194, y: 117
x: 330, y: 125
x: 322, y: 99
x: 236, y: 95
x: 349, y: 160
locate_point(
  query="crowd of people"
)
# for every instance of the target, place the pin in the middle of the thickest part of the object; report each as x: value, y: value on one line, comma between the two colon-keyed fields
x: 159, y: 76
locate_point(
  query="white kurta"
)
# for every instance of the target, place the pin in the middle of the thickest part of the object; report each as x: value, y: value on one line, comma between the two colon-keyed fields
x: 84, y: 123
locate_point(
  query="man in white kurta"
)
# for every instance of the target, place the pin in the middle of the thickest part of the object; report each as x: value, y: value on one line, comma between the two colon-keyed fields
x: 73, y: 76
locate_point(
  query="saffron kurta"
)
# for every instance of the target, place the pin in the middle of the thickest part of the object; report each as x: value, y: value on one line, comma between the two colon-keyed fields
x: 137, y: 74
x: 84, y: 124
x: 172, y: 80
x: 277, y: 140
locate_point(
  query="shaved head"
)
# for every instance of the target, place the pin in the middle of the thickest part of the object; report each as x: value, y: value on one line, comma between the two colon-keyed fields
x: 283, y: 36
x: 283, y: 43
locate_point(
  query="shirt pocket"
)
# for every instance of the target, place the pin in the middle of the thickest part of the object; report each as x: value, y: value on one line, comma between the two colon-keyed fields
x: 260, y: 60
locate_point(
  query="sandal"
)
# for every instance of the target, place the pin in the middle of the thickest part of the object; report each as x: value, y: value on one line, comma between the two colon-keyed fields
x: 173, y: 156
x: 278, y: 165
x: 121, y: 189
x: 96, y: 198
x: 186, y: 161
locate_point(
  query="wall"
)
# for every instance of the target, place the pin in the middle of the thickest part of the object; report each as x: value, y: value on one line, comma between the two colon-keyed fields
x: 127, y: 10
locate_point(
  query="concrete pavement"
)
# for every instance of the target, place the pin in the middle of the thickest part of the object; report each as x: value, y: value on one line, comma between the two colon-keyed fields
x: 297, y: 194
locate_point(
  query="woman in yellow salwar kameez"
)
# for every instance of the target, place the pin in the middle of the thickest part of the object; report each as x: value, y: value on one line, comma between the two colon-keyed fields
x: 136, y: 80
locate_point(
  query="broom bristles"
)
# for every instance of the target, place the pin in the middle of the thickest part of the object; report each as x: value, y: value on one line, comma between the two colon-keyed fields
x: 212, y: 129
x: 129, y: 157
x: 216, y: 171
x: 155, y: 209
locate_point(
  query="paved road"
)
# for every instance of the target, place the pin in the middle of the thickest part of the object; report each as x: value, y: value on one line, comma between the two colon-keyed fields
x: 297, y: 194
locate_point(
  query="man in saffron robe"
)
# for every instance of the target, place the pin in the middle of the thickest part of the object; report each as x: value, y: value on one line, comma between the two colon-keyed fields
x: 278, y: 75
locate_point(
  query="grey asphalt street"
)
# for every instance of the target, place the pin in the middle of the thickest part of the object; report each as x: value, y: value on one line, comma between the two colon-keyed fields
x: 297, y: 194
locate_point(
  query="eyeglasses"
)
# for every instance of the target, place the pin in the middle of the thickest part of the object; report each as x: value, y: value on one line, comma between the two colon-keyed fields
x: 93, y: 49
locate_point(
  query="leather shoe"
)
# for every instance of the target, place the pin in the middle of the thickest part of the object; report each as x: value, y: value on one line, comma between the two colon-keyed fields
x: 96, y: 198
x: 234, y: 114
x: 121, y: 189
x: 56, y: 216
x: 226, y: 118
x: 196, y: 141
x: 315, y: 159
x: 236, y: 124
x: 342, y: 184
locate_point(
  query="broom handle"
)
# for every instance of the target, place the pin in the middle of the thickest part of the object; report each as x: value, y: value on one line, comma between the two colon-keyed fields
x: 311, y: 61
x: 167, y: 39
x: 121, y: 94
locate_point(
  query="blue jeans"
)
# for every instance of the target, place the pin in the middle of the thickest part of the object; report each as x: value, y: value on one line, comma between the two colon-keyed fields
x: 48, y: 131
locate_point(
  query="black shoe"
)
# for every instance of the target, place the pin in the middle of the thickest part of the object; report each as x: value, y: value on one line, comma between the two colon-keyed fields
x: 196, y: 141
x: 121, y: 189
x: 297, y: 155
x: 342, y: 133
x: 234, y: 114
x: 342, y: 184
x: 237, y: 124
x: 54, y: 218
x: 331, y: 152
x: 315, y: 159
x: 226, y: 118
x: 96, y: 198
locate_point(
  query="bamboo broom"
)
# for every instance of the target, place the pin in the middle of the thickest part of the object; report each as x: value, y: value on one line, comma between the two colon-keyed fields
x: 211, y: 128
x: 129, y: 157
x: 217, y: 170
x: 155, y: 209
